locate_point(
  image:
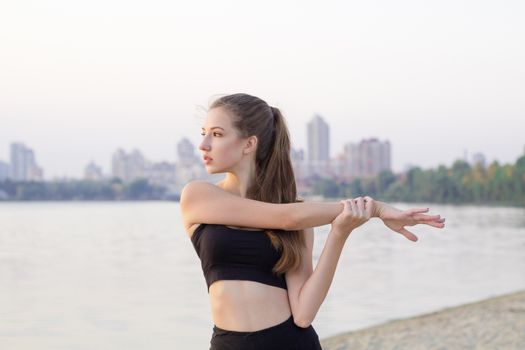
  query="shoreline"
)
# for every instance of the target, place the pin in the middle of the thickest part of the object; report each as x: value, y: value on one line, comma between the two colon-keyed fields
x: 493, y: 323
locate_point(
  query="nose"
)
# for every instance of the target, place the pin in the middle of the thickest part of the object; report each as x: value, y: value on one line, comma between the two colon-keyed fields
x: 204, y: 146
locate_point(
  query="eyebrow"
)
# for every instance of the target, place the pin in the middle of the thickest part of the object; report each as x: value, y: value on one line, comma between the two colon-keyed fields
x: 213, y: 127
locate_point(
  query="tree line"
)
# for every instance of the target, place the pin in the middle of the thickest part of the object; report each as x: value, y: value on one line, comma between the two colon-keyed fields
x: 461, y: 183
x: 113, y: 189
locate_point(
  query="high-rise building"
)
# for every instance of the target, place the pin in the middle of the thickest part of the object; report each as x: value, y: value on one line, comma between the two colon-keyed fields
x: 318, y: 136
x: 19, y: 162
x: 367, y: 158
x: 186, y: 153
x: 23, y: 166
x: 4, y: 171
x: 318, y: 140
x: 128, y: 167
x: 119, y: 164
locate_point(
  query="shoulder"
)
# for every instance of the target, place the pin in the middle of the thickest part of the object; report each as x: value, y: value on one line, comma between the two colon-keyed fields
x: 197, y: 192
x: 196, y: 184
x: 196, y: 188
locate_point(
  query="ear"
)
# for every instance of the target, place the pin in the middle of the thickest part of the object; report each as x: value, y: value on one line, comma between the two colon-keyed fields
x: 250, y: 145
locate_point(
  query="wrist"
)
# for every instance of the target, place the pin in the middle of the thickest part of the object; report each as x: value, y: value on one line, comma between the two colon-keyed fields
x: 340, y: 234
x: 378, y: 208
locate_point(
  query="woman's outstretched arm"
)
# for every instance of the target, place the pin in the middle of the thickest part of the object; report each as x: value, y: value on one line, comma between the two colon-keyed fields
x: 203, y: 202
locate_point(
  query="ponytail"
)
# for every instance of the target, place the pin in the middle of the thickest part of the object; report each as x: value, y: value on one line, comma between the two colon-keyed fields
x: 276, y: 184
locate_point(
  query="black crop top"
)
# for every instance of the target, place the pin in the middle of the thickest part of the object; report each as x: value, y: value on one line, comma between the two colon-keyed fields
x: 234, y: 254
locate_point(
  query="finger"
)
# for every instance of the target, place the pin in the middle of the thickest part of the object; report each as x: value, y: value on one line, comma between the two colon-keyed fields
x: 423, y: 217
x: 435, y: 224
x: 369, y: 207
x: 408, y: 234
x: 432, y: 219
x: 439, y: 220
x: 417, y: 210
x: 346, y: 205
x: 360, y: 206
x: 353, y: 206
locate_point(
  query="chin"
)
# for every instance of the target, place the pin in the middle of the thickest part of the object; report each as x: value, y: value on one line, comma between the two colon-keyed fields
x: 212, y: 170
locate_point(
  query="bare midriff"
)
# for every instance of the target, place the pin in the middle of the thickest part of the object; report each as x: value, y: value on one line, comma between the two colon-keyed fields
x: 247, y: 306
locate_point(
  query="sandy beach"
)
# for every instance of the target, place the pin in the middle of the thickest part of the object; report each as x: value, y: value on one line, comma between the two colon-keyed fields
x: 495, y: 323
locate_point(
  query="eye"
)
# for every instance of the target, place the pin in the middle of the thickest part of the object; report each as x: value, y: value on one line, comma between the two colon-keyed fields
x: 214, y: 134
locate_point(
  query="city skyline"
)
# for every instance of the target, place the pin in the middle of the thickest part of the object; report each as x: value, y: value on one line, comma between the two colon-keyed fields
x: 80, y: 80
x: 93, y: 170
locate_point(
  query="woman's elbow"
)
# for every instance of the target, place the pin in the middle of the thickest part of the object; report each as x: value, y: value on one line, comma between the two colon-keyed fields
x: 289, y: 220
x: 302, y: 322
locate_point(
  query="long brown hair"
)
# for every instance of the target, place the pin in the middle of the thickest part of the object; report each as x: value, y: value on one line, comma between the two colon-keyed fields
x: 274, y: 180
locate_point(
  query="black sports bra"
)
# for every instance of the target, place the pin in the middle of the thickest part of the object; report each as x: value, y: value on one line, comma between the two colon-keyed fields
x: 235, y: 254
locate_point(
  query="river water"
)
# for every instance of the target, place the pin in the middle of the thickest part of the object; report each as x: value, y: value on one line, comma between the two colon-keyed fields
x: 124, y: 275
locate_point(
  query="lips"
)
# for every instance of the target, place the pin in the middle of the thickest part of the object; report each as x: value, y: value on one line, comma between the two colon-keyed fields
x: 207, y: 158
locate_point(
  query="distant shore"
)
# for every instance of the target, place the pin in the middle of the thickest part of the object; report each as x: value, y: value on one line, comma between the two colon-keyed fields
x: 495, y: 323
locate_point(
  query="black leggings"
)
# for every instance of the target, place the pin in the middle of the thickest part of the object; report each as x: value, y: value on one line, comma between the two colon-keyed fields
x: 283, y: 336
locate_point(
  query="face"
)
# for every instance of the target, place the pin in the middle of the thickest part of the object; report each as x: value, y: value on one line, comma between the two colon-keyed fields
x: 221, y: 142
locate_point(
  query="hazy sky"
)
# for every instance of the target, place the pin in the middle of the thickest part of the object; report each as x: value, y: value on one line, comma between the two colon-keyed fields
x: 80, y: 79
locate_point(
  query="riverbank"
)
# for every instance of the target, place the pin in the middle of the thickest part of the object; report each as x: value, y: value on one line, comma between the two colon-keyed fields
x: 495, y: 323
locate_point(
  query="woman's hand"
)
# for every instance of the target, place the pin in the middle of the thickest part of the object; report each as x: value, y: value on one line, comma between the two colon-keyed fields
x: 355, y: 213
x: 397, y: 219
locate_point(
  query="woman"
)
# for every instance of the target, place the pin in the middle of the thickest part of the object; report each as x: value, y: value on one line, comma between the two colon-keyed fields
x: 255, y: 239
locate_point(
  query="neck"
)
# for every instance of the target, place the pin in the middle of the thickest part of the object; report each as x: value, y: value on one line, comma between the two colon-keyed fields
x: 238, y: 182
